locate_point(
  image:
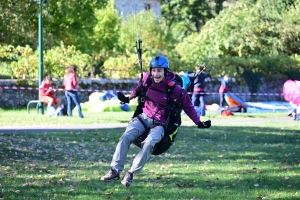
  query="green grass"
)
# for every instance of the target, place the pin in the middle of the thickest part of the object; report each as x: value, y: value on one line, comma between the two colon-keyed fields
x: 258, y: 160
x: 19, y: 117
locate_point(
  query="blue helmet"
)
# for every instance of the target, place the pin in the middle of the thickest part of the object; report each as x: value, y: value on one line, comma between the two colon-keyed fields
x: 159, y: 62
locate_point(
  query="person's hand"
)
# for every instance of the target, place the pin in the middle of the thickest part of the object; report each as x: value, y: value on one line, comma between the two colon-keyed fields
x: 204, y: 124
x: 123, y: 98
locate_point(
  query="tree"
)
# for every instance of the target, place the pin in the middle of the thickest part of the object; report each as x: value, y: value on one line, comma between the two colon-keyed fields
x: 106, y: 29
x: 251, y: 30
x: 156, y: 40
x: 72, y: 22
x: 188, y: 16
x: 18, y: 22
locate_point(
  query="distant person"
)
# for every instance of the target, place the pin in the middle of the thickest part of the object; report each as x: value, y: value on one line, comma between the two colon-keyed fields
x: 223, y: 89
x: 92, y: 73
x: 47, y: 96
x: 71, y: 86
x: 198, y: 97
x: 293, y: 112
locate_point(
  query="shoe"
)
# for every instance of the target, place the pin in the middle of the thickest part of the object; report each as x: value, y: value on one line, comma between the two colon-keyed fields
x: 127, y: 179
x: 290, y: 113
x: 58, y: 109
x: 111, y: 175
x: 50, y: 111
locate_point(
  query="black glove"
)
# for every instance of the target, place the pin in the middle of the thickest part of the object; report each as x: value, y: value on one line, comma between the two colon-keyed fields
x: 205, y: 124
x: 122, y: 97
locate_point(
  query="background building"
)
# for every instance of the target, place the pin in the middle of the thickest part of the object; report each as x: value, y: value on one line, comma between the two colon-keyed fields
x: 127, y: 7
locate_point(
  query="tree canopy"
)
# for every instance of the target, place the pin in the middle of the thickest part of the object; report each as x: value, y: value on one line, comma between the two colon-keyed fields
x: 249, y: 35
x: 241, y: 38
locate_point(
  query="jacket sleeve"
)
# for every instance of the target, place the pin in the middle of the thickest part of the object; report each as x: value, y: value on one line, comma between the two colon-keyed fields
x: 188, y: 107
x: 191, y: 75
x: 136, y: 91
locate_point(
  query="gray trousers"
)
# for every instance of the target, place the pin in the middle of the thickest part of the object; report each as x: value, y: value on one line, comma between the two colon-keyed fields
x: 135, y: 129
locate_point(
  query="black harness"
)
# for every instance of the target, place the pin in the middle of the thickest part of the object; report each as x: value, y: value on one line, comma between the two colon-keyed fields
x: 173, y: 120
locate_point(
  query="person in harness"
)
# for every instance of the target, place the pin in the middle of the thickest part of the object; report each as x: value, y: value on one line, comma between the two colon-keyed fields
x: 153, y: 117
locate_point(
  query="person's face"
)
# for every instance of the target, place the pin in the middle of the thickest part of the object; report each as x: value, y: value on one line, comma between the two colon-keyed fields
x: 48, y: 81
x: 158, y: 74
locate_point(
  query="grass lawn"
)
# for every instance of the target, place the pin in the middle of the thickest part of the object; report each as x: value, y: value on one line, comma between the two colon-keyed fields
x: 19, y: 117
x: 243, y: 160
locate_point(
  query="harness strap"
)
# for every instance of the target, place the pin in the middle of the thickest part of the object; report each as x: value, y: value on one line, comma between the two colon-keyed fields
x: 155, y: 123
x: 139, y: 118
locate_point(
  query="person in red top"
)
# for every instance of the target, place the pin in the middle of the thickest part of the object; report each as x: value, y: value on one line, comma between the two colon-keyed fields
x: 223, y: 89
x: 47, y: 93
x: 71, y: 85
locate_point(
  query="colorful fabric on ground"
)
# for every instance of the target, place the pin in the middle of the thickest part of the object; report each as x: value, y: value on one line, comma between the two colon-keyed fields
x: 233, y: 100
x: 291, y: 91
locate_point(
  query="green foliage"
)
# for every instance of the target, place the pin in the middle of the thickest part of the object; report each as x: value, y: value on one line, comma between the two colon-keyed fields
x: 18, y: 22
x: 7, y: 55
x: 187, y: 16
x: 106, y: 30
x: 26, y: 63
x: 155, y: 37
x: 260, y: 36
x: 56, y: 60
x: 155, y: 34
x: 123, y: 66
x: 71, y: 22
x: 26, y: 83
x: 290, y: 29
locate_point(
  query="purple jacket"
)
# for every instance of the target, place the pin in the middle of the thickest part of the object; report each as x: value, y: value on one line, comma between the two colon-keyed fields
x: 154, y: 106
